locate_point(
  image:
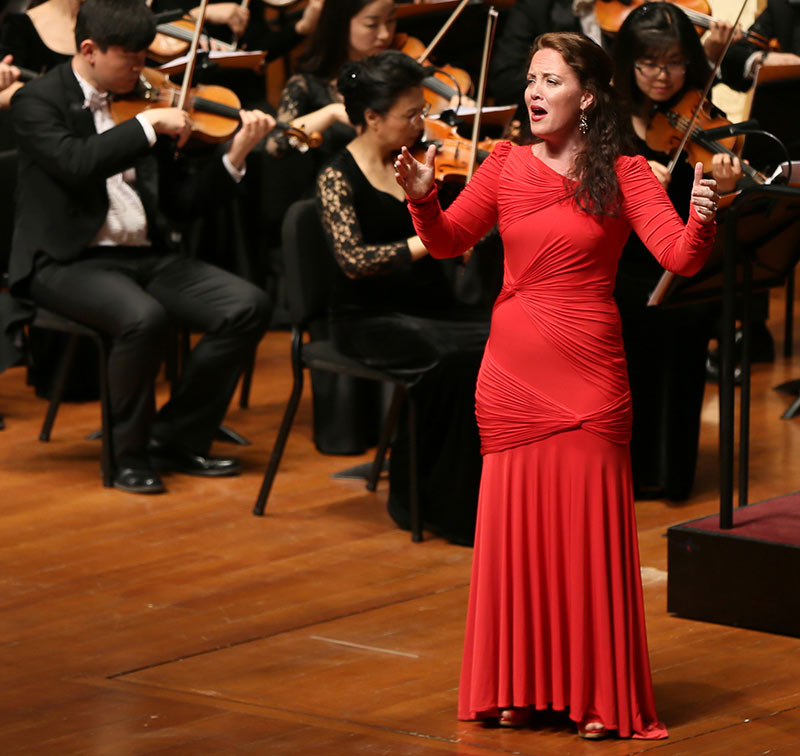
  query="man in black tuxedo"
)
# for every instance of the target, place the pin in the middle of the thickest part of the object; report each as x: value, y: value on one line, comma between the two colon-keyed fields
x: 780, y: 20
x: 91, y: 241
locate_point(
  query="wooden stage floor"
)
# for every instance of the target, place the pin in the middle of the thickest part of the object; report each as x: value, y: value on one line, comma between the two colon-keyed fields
x: 182, y: 625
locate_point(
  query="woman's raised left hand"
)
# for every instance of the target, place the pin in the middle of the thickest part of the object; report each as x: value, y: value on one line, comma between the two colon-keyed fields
x: 704, y: 195
x: 416, y: 178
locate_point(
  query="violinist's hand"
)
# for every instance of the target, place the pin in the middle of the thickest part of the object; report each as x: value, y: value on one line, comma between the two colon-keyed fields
x: 232, y: 15
x: 662, y: 172
x: 463, y: 101
x: 704, y: 195
x: 255, y: 126
x: 8, y: 73
x: 726, y: 170
x: 308, y: 21
x: 416, y: 178
x: 781, y: 59
x: 173, y: 122
x: 717, y: 37
x: 321, y: 120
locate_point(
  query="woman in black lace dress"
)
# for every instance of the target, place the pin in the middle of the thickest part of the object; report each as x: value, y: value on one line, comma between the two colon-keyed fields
x: 347, y: 30
x: 393, y: 305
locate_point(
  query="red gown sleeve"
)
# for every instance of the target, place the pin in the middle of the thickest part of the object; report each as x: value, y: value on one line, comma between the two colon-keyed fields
x: 452, y: 232
x: 680, y: 248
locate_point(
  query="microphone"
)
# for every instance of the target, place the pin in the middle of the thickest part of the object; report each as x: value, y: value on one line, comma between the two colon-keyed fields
x: 730, y: 130
x: 449, y: 117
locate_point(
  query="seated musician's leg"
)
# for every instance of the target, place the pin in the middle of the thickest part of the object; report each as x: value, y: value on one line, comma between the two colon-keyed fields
x: 233, y: 315
x: 103, y: 293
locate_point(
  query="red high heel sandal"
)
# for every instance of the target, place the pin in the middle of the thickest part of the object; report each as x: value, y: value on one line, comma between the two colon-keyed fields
x: 515, y: 717
x: 597, y: 732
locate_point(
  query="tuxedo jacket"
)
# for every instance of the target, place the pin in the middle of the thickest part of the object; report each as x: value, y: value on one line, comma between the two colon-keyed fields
x: 61, y: 200
x: 780, y: 20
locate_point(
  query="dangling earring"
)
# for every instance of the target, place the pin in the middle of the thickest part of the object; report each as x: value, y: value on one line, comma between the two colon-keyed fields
x: 583, y: 123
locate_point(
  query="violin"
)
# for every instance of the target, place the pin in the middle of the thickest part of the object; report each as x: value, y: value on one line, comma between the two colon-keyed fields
x: 703, y: 21
x: 214, y: 109
x: 173, y: 39
x: 452, y: 151
x: 441, y: 87
x: 668, y: 127
x: 611, y: 14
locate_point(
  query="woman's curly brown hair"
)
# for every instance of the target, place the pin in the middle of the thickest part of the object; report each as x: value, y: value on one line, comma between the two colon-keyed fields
x: 609, y: 134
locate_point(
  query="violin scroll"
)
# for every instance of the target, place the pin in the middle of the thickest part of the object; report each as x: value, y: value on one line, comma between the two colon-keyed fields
x: 299, y: 139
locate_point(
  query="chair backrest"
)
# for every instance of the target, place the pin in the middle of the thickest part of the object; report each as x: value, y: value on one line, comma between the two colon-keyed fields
x: 309, y: 264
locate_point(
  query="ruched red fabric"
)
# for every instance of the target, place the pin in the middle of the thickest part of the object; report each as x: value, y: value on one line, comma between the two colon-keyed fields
x: 556, y: 615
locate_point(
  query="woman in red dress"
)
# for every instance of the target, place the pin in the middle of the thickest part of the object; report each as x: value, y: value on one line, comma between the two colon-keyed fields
x: 556, y: 617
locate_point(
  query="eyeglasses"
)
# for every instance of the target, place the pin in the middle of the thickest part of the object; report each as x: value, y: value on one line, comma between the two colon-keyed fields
x: 420, y: 115
x: 651, y: 70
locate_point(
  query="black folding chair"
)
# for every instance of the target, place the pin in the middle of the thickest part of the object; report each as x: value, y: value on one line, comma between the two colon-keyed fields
x: 310, y: 273
x: 54, y: 322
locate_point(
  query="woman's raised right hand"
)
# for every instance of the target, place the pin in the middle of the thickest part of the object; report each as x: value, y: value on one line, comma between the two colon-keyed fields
x: 416, y: 178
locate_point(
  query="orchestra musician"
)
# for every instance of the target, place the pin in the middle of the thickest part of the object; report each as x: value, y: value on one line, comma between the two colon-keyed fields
x: 393, y: 306
x: 235, y: 22
x: 658, y: 57
x: 347, y: 30
x: 529, y: 18
x: 9, y: 74
x: 92, y: 242
x: 36, y: 40
x: 779, y: 22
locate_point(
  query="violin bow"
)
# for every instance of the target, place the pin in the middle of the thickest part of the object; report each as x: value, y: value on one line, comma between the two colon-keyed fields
x: 657, y: 295
x: 191, y: 57
x: 706, y: 90
x: 491, y: 26
x: 445, y: 26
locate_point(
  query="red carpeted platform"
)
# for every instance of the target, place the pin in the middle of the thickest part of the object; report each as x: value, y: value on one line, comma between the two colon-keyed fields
x: 748, y: 576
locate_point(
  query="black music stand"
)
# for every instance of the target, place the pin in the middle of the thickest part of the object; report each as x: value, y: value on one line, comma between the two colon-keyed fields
x: 757, y: 247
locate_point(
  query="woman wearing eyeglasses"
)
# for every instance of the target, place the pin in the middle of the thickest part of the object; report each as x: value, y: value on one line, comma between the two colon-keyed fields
x: 657, y: 58
x: 393, y: 306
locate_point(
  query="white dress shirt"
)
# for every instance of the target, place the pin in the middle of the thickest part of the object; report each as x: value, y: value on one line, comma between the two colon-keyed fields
x: 126, y: 222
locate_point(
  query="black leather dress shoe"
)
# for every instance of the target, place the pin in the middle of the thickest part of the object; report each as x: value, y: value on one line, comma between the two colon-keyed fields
x: 166, y: 457
x: 138, y: 480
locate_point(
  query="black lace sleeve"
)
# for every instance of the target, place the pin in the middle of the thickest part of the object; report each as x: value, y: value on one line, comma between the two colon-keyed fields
x: 356, y: 258
x: 295, y: 101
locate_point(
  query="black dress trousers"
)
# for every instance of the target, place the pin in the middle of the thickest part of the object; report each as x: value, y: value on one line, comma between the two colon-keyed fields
x: 134, y: 295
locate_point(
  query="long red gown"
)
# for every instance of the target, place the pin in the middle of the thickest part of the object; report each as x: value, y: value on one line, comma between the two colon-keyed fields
x: 555, y: 614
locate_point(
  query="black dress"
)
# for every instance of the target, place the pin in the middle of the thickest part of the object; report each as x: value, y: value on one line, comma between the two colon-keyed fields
x: 666, y: 352
x: 18, y: 37
x: 402, y: 316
